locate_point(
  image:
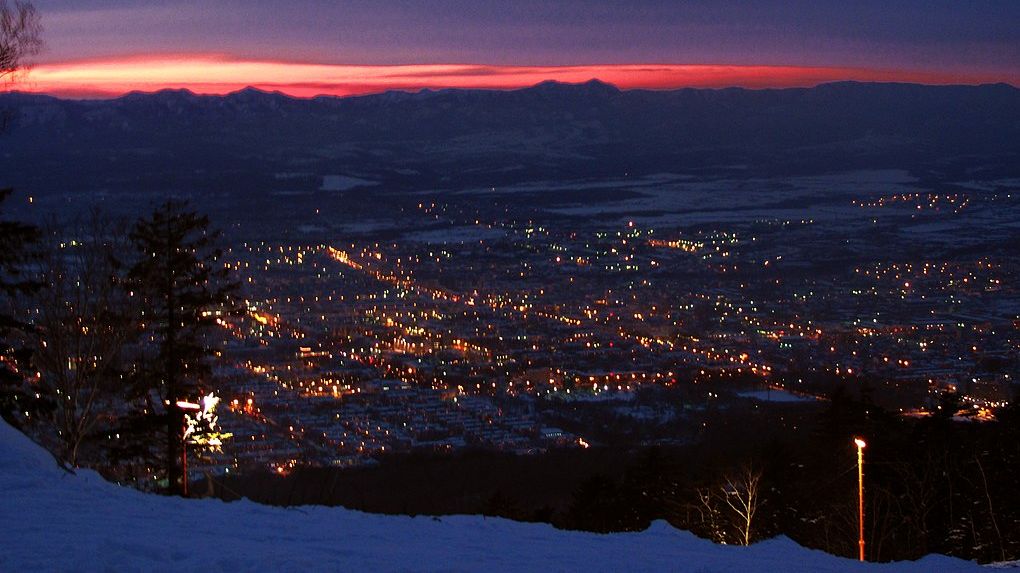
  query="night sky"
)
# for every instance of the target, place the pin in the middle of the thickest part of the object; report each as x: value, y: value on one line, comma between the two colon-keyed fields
x: 101, y: 47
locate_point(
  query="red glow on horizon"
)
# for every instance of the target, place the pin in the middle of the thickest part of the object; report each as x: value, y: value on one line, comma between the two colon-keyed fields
x: 216, y: 74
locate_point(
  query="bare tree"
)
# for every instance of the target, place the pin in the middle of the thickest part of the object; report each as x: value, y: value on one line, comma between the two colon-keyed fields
x: 710, y: 515
x: 20, y: 31
x: 726, y: 512
x: 740, y: 493
x: 991, y: 506
x: 19, y: 38
x: 84, y: 322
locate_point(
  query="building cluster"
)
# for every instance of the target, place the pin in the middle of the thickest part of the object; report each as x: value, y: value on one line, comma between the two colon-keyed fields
x: 485, y: 328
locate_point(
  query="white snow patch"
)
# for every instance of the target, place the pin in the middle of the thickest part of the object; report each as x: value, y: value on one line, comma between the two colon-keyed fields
x: 455, y: 235
x: 371, y: 226
x: 774, y: 396
x: 344, y: 183
x: 685, y: 201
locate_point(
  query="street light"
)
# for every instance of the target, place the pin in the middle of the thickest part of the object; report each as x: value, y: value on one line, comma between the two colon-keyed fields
x: 860, y: 443
x: 184, y: 445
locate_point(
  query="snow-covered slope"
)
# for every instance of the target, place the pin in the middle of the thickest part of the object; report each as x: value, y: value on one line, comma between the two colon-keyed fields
x: 51, y: 520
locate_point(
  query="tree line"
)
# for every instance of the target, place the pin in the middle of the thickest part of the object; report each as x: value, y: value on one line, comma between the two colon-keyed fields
x: 104, y: 332
x: 932, y: 485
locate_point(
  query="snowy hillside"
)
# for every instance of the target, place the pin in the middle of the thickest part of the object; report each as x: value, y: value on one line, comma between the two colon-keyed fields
x: 50, y: 520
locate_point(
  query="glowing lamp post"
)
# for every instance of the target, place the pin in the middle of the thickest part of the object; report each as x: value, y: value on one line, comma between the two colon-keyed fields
x: 200, y: 429
x: 860, y: 496
x: 184, y: 445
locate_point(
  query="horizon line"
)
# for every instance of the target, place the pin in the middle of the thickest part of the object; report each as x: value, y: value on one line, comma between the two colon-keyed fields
x: 218, y: 74
x: 413, y: 91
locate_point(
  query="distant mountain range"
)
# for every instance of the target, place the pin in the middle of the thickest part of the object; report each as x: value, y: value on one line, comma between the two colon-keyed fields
x: 255, y: 139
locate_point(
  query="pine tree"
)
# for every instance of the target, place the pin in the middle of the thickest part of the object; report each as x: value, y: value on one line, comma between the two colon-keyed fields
x: 16, y: 251
x: 183, y: 289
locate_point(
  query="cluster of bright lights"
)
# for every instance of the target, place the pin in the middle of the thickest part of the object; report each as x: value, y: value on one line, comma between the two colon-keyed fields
x: 202, y: 427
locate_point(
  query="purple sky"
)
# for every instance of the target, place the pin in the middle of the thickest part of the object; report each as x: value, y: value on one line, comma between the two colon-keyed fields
x: 932, y: 35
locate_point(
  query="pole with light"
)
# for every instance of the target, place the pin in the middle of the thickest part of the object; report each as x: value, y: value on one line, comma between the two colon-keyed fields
x: 183, y: 405
x: 860, y: 443
x: 200, y: 428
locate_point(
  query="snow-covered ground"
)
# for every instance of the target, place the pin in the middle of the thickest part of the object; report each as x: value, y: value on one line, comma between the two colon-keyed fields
x: 344, y: 183
x: 774, y: 396
x: 462, y: 234
x: 54, y: 521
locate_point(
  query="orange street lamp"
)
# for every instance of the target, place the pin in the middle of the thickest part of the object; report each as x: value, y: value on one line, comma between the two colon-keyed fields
x: 860, y: 495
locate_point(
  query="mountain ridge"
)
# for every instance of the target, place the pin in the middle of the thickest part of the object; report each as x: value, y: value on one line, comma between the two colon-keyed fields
x: 588, y: 84
x: 550, y: 130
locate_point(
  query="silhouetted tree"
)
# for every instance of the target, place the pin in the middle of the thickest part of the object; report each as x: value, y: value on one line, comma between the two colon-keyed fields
x: 949, y: 404
x: 19, y: 36
x: 183, y: 289
x: 19, y: 39
x: 17, y: 242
